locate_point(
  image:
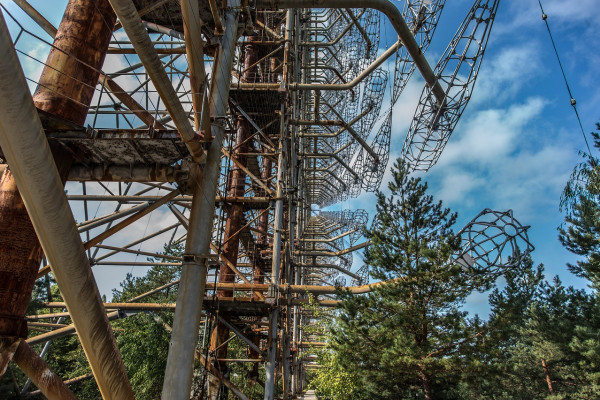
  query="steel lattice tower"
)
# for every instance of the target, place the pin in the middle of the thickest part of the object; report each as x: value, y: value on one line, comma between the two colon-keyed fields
x: 216, y: 126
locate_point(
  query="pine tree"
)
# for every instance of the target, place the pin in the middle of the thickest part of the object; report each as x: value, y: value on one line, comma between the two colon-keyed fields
x: 409, y: 336
x: 493, y: 361
x: 581, y: 198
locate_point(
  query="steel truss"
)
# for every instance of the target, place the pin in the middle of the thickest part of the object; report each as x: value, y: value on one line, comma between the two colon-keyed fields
x: 217, y: 128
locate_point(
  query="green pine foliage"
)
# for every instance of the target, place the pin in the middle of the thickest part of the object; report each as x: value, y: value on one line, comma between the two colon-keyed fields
x: 409, y: 338
x: 581, y: 235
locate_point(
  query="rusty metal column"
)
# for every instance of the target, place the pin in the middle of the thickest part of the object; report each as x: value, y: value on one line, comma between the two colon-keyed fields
x: 66, y: 88
x: 180, y: 362
x: 237, y: 186
x: 277, y: 242
x: 275, y: 270
x: 28, y: 154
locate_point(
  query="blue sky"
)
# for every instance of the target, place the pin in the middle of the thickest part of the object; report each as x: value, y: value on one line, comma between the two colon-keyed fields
x: 518, y: 139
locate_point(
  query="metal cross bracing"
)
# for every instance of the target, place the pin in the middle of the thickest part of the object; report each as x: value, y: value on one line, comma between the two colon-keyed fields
x: 216, y: 127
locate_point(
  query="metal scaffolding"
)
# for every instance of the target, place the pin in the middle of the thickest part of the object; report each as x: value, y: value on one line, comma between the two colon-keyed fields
x: 221, y: 127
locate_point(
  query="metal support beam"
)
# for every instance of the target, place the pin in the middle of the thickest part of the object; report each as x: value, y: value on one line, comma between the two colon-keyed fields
x: 37, y: 17
x: 239, y: 334
x: 41, y: 375
x: 396, y: 19
x: 121, y: 225
x: 194, y: 47
x: 28, y: 154
x: 132, y: 23
x: 180, y: 361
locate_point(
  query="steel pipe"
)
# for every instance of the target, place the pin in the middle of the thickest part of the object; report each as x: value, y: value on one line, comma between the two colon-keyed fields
x: 26, y: 149
x: 397, y: 21
x: 94, y: 223
x: 313, y: 289
x: 194, y: 47
x: 180, y: 361
x: 41, y: 375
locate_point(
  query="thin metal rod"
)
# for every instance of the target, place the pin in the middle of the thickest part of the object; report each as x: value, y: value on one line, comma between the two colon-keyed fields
x: 37, y: 17
x: 239, y: 334
x: 94, y: 223
x: 61, y: 332
x: 121, y: 225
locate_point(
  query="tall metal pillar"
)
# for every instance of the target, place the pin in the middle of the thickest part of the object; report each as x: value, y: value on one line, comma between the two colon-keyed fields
x: 180, y: 362
x: 28, y: 154
x: 270, y: 368
x: 65, y: 90
x: 236, y: 185
x: 262, y: 241
x: 275, y: 271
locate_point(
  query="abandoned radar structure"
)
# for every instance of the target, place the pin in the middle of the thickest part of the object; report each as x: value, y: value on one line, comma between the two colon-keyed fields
x: 218, y: 126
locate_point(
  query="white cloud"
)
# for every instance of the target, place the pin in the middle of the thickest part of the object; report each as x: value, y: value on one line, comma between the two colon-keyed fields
x: 458, y: 186
x: 560, y: 14
x: 499, y: 160
x: 503, y: 74
x: 489, y: 135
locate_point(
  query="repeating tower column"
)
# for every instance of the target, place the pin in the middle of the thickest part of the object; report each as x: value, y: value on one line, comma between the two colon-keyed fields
x: 65, y: 90
x: 262, y: 241
x: 236, y: 186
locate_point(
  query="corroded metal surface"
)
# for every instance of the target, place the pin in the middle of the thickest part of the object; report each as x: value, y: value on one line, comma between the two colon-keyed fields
x: 169, y: 13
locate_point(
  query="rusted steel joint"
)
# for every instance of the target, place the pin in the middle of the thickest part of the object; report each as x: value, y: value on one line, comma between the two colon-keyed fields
x: 13, y: 326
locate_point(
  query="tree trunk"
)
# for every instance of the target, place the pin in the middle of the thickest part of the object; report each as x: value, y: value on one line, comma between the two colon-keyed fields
x: 426, y: 381
x: 547, y: 374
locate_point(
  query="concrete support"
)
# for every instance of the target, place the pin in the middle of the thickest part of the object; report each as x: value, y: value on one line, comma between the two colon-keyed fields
x: 180, y: 361
x: 28, y: 154
x: 66, y: 88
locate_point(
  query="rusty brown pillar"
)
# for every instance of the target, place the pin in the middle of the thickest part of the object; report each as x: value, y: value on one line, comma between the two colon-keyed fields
x: 262, y: 241
x: 236, y: 188
x: 65, y: 90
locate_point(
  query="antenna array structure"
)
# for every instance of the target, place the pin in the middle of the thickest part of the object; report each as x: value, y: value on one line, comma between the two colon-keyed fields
x: 213, y: 130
